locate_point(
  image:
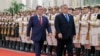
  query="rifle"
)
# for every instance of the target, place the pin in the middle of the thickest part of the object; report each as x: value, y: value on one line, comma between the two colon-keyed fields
x: 88, y: 34
x: 78, y: 36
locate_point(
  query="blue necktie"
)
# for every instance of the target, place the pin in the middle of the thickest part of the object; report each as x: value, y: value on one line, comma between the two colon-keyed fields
x: 67, y: 18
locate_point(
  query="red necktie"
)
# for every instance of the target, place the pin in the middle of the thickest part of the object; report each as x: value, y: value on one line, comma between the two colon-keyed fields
x: 40, y: 19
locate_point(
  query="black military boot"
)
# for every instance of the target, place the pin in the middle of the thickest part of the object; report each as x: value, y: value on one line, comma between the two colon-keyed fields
x: 54, y: 51
x: 28, y: 47
x: 83, y: 50
x: 97, y: 53
x: 4, y: 43
x: 50, y: 48
x: 92, y: 51
x: 88, y: 52
x: 43, y: 49
x: 10, y: 44
x: 22, y: 46
x: 7, y: 43
x: 14, y: 44
x: 78, y: 51
x: 18, y: 46
x: 32, y: 48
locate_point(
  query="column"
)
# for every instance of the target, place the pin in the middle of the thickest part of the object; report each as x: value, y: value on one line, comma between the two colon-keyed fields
x: 52, y: 3
x: 68, y: 3
x: 82, y: 3
x: 24, y: 2
x: 34, y: 3
x: 45, y: 3
x: 59, y: 2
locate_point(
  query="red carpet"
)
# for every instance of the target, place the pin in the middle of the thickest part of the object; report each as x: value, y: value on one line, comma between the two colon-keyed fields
x: 8, y: 52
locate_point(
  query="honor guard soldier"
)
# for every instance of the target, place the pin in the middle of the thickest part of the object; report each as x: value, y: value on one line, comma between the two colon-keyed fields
x: 71, y: 11
x: 56, y: 10
x: 17, y: 32
x: 52, y: 43
x: 6, y: 31
x: 26, y: 43
x: 49, y: 41
x: 84, y: 32
x: 92, y: 47
x: 23, y: 40
x: 95, y: 30
x: 33, y: 13
x: 3, y: 32
x: 98, y: 47
x: 76, y: 41
x: 45, y: 11
x: 13, y: 38
x: 10, y: 32
x: 30, y: 44
x: 20, y: 20
x: 17, y: 35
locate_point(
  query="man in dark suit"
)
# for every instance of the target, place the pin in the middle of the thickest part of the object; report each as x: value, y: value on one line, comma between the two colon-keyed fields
x: 39, y: 24
x: 65, y: 31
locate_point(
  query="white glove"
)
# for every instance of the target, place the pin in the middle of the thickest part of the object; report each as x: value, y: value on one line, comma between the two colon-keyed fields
x: 97, y: 23
x: 89, y: 21
x: 80, y: 22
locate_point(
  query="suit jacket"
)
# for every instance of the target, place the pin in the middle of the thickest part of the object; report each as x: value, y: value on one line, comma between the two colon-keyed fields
x: 98, y: 17
x: 63, y: 26
x: 38, y: 31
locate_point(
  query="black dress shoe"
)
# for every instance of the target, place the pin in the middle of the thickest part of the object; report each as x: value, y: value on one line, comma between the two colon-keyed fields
x: 0, y: 43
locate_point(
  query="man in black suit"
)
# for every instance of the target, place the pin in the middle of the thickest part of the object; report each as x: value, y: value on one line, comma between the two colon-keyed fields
x: 65, y: 31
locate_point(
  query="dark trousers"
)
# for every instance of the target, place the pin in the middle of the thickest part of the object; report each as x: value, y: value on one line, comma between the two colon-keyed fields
x: 38, y: 46
x: 60, y: 46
